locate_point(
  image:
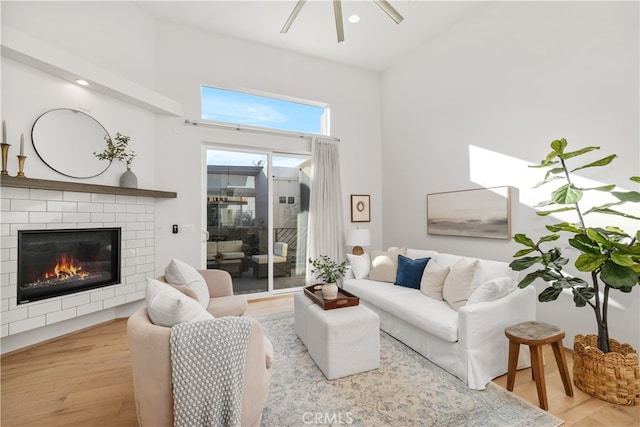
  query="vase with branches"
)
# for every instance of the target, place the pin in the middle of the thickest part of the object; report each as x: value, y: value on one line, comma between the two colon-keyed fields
x: 117, y: 150
x: 609, y: 255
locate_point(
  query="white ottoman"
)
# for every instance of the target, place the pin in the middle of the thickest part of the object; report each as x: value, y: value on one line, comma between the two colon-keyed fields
x: 343, y: 341
x: 301, y: 305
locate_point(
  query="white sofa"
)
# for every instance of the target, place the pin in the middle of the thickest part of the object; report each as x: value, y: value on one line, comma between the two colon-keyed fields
x: 469, y: 343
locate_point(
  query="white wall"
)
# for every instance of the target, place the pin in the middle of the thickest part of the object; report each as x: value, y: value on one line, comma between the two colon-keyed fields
x: 99, y: 34
x: 174, y: 61
x: 117, y: 36
x: 188, y: 58
x: 473, y: 107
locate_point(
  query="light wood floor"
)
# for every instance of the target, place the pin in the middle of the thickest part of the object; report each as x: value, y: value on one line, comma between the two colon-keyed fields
x: 84, y: 379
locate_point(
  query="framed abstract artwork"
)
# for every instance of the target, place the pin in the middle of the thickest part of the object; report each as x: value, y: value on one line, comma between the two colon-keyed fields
x: 482, y: 212
x: 360, y: 208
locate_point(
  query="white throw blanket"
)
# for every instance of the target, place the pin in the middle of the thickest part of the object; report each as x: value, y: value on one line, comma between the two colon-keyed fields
x: 207, y: 361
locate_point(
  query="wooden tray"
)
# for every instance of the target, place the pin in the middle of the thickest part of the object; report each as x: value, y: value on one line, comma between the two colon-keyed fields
x: 344, y: 299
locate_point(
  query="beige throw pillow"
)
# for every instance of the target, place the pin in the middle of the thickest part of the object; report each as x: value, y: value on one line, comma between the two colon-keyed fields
x: 167, y: 306
x: 433, y: 280
x: 465, y: 276
x: 384, y: 265
x: 491, y: 289
x: 180, y: 273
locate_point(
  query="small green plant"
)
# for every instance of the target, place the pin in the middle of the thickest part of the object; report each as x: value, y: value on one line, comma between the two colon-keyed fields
x: 328, y: 270
x: 117, y: 150
x: 609, y: 255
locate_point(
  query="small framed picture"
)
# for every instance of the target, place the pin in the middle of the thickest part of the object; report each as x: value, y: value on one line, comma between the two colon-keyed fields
x: 360, y: 208
x: 283, y: 199
x: 291, y: 200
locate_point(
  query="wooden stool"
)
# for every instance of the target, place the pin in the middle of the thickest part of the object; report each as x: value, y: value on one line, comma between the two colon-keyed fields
x: 535, y: 335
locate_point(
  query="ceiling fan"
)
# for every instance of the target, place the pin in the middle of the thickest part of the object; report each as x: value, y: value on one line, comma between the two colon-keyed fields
x: 337, y: 11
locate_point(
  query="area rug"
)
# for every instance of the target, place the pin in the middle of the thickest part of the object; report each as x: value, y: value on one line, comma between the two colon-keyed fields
x: 407, y: 390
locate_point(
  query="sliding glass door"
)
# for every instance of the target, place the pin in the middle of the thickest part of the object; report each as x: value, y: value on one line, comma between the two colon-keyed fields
x: 257, y: 215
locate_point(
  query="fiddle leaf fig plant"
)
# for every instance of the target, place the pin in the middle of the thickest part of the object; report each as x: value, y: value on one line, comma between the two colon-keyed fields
x: 609, y: 256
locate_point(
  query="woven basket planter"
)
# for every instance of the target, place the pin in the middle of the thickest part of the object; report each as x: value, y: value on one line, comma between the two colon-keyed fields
x: 613, y: 377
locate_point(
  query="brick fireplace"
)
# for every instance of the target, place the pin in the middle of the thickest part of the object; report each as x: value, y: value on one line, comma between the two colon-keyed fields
x: 26, y: 209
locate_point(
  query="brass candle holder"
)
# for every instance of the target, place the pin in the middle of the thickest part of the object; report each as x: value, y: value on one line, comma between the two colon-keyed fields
x: 21, y: 160
x: 5, y: 153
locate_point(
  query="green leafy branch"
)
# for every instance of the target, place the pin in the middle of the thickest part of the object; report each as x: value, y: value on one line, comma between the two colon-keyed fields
x: 117, y: 150
x: 327, y: 269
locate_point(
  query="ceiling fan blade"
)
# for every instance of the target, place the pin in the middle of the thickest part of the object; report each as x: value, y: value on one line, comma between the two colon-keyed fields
x: 389, y: 10
x: 337, y: 11
x: 293, y: 16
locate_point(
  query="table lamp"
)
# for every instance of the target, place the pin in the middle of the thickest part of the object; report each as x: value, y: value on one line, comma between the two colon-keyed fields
x: 358, y: 237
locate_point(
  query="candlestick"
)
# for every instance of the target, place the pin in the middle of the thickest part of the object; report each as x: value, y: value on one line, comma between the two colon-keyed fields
x: 4, y: 132
x: 21, y: 160
x: 5, y: 152
x: 22, y: 144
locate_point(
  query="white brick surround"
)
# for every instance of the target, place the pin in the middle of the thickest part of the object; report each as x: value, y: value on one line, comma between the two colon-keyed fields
x: 24, y: 208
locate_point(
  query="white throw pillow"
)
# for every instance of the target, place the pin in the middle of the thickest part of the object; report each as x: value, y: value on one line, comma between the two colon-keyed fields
x: 384, y: 265
x: 433, y: 279
x: 168, y: 306
x: 465, y: 276
x: 491, y: 289
x: 182, y: 274
x: 360, y: 265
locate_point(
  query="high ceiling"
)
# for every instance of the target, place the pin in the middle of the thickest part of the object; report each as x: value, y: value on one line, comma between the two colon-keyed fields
x: 375, y: 43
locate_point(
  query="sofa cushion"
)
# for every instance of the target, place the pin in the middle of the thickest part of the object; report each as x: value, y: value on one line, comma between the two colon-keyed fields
x: 180, y: 273
x: 385, y: 264
x: 492, y: 289
x: 230, y: 246
x: 410, y: 305
x: 168, y: 306
x: 280, y: 249
x: 420, y: 253
x: 463, y: 278
x: 233, y: 255
x: 432, y: 280
x: 212, y: 250
x: 360, y: 265
x: 490, y: 269
x: 409, y: 272
x: 264, y: 259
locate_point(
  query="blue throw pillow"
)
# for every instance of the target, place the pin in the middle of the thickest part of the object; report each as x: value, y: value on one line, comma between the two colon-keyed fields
x: 409, y: 272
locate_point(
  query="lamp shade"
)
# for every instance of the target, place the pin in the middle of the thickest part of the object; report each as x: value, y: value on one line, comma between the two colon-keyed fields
x: 358, y: 237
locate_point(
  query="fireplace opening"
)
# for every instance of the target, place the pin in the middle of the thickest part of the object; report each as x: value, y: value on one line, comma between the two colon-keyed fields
x: 60, y: 262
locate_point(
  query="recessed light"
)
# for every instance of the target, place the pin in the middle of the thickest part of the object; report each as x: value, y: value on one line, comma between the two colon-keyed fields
x: 354, y: 18
x: 82, y: 82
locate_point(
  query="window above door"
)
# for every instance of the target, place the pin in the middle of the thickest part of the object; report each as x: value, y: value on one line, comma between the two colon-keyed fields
x: 256, y: 110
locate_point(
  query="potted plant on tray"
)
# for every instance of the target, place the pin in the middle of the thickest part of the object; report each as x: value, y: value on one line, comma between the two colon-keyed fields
x: 609, y: 256
x: 329, y: 272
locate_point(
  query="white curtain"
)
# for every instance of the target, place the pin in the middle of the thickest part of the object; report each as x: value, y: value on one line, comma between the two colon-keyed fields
x: 326, y: 228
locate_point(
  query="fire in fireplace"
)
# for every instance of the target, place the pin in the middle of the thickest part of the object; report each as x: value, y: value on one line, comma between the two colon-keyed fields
x: 60, y: 262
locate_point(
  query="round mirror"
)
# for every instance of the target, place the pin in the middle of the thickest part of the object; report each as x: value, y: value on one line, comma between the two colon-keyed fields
x: 66, y: 139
